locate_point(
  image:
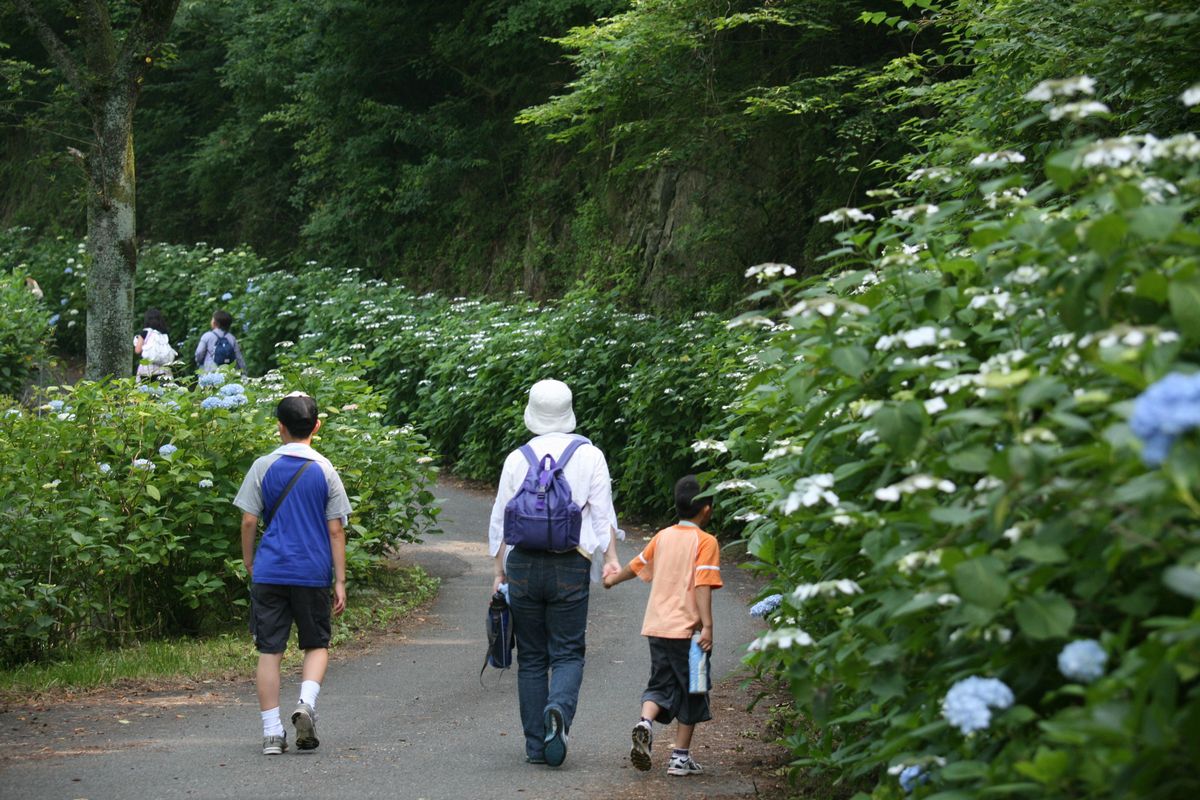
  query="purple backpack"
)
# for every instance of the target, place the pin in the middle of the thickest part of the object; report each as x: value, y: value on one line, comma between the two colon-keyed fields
x: 542, y: 515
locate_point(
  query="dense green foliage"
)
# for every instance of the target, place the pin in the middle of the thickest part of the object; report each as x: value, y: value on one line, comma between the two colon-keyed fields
x: 114, y: 538
x: 24, y: 333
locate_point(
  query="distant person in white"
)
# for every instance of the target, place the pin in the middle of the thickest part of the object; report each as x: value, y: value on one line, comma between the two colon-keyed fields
x: 548, y: 590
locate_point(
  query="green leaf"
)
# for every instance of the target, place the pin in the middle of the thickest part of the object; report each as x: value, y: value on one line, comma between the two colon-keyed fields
x: 1047, y: 766
x: 1106, y: 234
x: 1046, y: 615
x: 900, y: 426
x: 850, y: 360
x: 1155, y: 223
x: 982, y: 581
x: 1183, y: 580
x: 152, y: 491
x: 1040, y: 552
x: 971, y: 459
x: 1184, y: 296
x: 964, y: 771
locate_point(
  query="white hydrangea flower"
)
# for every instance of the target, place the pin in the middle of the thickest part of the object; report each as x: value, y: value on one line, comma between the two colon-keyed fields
x: 922, y: 209
x: 807, y: 591
x: 935, y: 405
x: 709, y: 444
x: 911, y: 562
x: 1063, y: 87
x: 1077, y: 111
x: 998, y: 158
x: 1190, y: 96
x: 808, y: 492
x: 940, y: 174
x: 912, y: 484
x: 765, y: 272
x: 782, y: 639
x: 734, y: 485
x: 842, y: 215
x: 1025, y: 275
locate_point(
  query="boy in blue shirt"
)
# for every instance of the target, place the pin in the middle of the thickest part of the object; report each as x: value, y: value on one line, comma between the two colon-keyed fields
x: 298, y: 494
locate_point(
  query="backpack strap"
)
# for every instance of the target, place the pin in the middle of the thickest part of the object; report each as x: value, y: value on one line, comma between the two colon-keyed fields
x: 570, y: 451
x: 530, y: 456
x: 278, y: 502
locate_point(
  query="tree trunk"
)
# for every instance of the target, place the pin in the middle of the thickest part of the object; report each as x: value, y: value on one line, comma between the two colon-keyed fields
x: 112, y: 244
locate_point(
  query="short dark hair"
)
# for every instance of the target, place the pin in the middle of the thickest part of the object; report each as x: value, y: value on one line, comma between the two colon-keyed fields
x: 154, y: 319
x: 687, y: 505
x: 298, y: 413
x: 223, y: 319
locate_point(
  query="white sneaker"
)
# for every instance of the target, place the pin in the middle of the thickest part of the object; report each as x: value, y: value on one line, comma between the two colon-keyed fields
x: 643, y: 741
x: 682, y: 766
x: 305, y: 720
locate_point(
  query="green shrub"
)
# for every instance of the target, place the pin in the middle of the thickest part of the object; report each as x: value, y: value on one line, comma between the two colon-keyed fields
x: 111, y: 537
x: 24, y: 331
x: 939, y: 476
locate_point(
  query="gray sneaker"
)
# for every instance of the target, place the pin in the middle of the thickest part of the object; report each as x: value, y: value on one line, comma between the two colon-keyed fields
x: 274, y: 745
x: 305, y: 720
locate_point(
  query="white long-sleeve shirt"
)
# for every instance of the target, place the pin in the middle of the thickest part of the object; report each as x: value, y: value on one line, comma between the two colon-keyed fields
x: 591, y: 489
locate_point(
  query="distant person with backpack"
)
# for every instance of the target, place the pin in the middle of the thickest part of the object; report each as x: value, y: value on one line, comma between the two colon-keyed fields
x: 553, y: 525
x: 300, y: 498
x: 682, y: 563
x: 152, y: 345
x: 219, y: 347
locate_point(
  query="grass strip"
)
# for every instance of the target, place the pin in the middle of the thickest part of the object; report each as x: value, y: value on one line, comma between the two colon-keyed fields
x: 390, y: 597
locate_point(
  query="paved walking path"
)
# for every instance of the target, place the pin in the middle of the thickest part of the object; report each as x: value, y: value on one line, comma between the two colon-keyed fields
x: 406, y: 721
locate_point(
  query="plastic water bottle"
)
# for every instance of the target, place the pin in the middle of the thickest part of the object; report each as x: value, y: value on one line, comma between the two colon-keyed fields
x: 699, y: 681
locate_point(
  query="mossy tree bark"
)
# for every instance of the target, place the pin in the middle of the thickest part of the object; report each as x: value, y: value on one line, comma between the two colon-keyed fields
x: 107, y: 81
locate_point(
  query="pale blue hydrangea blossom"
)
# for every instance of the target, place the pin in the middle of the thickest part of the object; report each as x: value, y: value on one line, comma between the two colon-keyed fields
x: 969, y: 703
x: 56, y: 405
x: 167, y: 449
x: 233, y: 388
x: 1163, y: 412
x: 205, y: 483
x: 765, y: 606
x: 1082, y: 660
x: 911, y: 777
x: 227, y: 296
x: 143, y: 463
x: 105, y: 469
x: 212, y: 379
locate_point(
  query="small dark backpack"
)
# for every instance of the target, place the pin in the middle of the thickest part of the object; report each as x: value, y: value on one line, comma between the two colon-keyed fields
x: 542, y: 515
x: 223, y: 351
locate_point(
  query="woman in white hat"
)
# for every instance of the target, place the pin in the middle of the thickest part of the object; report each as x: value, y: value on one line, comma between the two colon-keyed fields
x: 549, y: 589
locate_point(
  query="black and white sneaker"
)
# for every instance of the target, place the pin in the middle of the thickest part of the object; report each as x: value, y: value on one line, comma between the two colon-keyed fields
x: 556, y: 737
x: 643, y: 741
x: 682, y: 766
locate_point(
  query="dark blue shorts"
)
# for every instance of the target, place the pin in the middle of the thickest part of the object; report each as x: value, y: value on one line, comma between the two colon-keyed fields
x: 668, y: 686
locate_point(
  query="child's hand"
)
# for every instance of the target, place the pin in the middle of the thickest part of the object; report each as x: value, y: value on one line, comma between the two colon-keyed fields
x: 706, y: 639
x: 608, y: 581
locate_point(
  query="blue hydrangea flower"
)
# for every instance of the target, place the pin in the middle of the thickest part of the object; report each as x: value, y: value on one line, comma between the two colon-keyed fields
x: 167, y: 449
x: 206, y: 484
x: 238, y: 400
x: 105, y: 469
x: 54, y: 318
x: 56, y: 405
x: 232, y: 389
x: 969, y: 703
x: 1163, y: 412
x: 216, y: 401
x: 68, y: 271
x: 1082, y: 660
x: 150, y: 388
x: 911, y: 777
x: 212, y: 379
x: 172, y: 404
x: 765, y: 606
x: 63, y: 301
x: 227, y: 296
x: 143, y: 463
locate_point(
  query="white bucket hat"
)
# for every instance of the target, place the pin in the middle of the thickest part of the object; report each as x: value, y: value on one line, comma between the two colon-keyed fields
x: 549, y: 409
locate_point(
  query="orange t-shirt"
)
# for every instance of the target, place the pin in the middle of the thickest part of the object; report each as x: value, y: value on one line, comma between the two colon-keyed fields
x: 677, y: 560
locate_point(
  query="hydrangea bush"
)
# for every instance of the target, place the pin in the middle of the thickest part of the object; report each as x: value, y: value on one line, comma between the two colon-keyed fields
x: 118, y: 500
x: 24, y: 333
x: 968, y: 469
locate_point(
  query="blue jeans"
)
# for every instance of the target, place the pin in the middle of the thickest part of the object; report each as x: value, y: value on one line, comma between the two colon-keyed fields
x: 548, y: 595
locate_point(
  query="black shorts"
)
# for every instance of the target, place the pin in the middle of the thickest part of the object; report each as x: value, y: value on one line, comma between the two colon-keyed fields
x: 668, y: 686
x: 274, y: 606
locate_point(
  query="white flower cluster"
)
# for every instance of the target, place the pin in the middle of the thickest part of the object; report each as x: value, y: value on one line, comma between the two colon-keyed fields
x: 1063, y: 87
x: 1079, y: 110
x: 734, y: 485
x: 842, y: 215
x: 911, y: 485
x: 1156, y: 189
x: 1140, y: 149
x: 925, y: 336
x: 825, y: 306
x: 782, y: 639
x: 808, y: 492
x: 998, y: 300
x: 910, y: 563
x: 1191, y: 96
x: 765, y: 272
x: 998, y: 158
x: 807, y: 591
x: 783, y: 447
x: 1125, y: 336
x: 1025, y: 275
x: 709, y: 444
x: 1006, y: 197
x: 940, y: 174
x: 921, y: 209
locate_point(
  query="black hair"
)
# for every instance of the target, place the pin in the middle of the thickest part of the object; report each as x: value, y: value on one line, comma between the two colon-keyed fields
x: 154, y: 319
x: 687, y: 505
x: 223, y: 319
x: 298, y: 413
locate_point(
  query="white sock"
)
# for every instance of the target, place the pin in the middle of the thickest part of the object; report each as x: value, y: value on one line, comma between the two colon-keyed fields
x: 271, y: 724
x: 309, y: 691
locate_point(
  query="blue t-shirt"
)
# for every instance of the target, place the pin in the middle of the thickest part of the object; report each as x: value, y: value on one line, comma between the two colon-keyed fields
x: 294, y: 549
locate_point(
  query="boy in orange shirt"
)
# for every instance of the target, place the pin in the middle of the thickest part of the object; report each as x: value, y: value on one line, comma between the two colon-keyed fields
x: 682, y: 564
